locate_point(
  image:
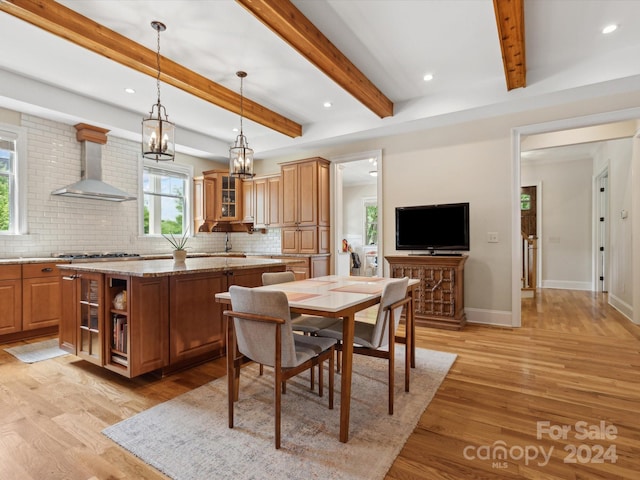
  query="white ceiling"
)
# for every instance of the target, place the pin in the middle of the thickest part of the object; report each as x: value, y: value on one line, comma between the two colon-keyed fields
x: 393, y: 42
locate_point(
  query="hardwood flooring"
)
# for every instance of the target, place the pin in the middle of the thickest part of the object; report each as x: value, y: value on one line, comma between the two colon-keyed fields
x: 575, y: 359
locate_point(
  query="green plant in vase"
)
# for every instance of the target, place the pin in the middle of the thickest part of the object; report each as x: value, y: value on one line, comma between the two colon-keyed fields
x: 179, y: 245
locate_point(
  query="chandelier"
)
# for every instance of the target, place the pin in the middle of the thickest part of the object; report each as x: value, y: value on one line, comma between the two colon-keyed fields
x: 240, y: 155
x: 158, y: 132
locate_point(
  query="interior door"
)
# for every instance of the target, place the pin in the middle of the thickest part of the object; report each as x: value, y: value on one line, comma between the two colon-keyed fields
x: 528, y: 211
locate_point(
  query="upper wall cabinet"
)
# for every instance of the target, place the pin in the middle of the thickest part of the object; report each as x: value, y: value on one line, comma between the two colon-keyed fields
x: 217, y: 198
x: 305, y: 206
x: 267, y: 201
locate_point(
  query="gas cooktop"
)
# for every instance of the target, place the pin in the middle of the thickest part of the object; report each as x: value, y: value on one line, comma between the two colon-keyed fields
x: 94, y: 256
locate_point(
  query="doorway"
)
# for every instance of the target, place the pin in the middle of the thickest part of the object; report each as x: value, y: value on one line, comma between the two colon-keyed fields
x: 357, y: 213
x: 586, y: 123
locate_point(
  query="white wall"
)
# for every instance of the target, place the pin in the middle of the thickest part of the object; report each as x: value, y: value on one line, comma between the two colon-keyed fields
x: 618, y: 153
x: 566, y: 220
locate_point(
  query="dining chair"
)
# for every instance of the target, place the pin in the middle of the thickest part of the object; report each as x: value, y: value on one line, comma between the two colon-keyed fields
x: 309, y: 324
x: 378, y: 339
x: 261, y: 321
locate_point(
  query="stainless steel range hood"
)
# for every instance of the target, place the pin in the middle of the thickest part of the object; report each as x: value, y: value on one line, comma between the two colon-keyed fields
x: 91, y: 184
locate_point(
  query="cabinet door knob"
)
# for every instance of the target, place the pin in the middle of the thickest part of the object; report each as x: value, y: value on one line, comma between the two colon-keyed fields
x: 47, y: 269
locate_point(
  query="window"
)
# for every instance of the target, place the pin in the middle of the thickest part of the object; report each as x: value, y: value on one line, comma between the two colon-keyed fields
x: 12, y: 195
x: 167, y: 192
x: 371, y: 222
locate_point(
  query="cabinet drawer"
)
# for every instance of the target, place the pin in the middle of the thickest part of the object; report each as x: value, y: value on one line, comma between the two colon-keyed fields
x: 10, y: 272
x: 32, y: 270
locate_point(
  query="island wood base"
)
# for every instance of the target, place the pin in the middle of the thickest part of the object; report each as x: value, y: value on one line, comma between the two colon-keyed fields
x: 439, y: 299
x: 117, y: 317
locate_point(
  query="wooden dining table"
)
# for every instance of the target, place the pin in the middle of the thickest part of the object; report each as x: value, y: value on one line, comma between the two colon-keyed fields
x: 343, y: 297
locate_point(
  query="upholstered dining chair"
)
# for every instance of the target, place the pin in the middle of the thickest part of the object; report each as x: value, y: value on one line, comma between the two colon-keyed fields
x: 261, y: 321
x: 378, y: 339
x: 306, y: 324
x: 309, y: 324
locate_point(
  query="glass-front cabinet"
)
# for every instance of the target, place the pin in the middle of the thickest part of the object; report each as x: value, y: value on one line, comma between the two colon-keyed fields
x: 228, y: 203
x: 91, y: 302
x: 217, y: 198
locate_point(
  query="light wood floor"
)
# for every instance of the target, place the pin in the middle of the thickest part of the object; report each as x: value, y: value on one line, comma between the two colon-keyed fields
x: 574, y: 360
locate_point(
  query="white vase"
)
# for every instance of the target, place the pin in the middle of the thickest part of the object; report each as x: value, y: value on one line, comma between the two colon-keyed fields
x: 179, y: 256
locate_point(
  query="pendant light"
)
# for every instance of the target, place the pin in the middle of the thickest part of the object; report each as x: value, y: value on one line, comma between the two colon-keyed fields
x: 240, y: 155
x: 158, y: 132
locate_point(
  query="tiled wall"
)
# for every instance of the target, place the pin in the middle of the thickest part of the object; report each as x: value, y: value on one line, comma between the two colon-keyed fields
x: 65, y: 224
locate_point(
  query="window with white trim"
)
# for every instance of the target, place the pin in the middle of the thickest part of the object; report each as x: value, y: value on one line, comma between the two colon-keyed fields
x: 166, y: 198
x: 12, y: 193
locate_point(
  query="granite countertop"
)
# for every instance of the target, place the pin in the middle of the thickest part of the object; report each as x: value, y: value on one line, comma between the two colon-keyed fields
x: 154, y: 256
x: 161, y: 267
x: 21, y: 260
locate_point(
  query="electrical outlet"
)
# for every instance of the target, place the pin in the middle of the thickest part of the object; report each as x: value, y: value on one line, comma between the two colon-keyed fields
x: 492, y: 237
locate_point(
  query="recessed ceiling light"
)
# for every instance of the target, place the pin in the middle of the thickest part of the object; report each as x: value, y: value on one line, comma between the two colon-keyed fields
x: 428, y: 77
x: 327, y: 104
x: 610, y: 28
x: 235, y: 129
x: 129, y: 90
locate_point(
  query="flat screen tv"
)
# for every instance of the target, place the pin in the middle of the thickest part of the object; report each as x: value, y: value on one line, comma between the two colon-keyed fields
x: 433, y: 228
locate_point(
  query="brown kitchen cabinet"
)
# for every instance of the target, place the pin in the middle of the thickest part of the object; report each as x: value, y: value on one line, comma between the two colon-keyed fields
x: 41, y: 295
x: 304, y: 267
x: 217, y: 198
x: 133, y: 325
x: 305, y: 206
x: 195, y: 318
x: 439, y: 300
x: 116, y: 321
x: 137, y: 324
x: 10, y: 299
x: 267, y: 201
x: 30, y: 300
x: 90, y: 317
x: 248, y: 207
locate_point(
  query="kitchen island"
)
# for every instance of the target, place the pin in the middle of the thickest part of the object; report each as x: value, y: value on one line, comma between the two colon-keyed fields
x: 140, y: 316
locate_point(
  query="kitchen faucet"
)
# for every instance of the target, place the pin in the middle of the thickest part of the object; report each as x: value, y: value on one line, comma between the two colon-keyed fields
x: 227, y: 245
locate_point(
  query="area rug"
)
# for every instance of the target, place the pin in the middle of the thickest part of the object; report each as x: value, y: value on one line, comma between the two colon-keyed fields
x: 188, y: 438
x: 37, y: 352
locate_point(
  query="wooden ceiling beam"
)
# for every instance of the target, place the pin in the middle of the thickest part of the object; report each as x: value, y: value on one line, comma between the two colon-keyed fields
x: 284, y: 19
x: 510, y: 21
x: 66, y: 23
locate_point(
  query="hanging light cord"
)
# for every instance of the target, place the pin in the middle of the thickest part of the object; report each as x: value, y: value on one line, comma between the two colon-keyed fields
x: 241, y: 103
x: 158, y: 77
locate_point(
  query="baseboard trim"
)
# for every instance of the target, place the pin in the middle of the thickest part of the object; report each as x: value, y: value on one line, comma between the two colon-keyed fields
x: 566, y: 285
x: 623, y: 307
x: 499, y: 318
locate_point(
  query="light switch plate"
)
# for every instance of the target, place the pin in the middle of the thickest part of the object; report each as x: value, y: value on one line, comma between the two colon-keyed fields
x: 492, y: 237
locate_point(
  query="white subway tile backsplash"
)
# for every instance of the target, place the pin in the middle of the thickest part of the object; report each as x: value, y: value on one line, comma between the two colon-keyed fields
x: 62, y: 224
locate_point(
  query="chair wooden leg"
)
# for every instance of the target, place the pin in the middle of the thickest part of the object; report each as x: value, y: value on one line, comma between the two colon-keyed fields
x: 320, y: 381
x: 278, y: 405
x: 331, y: 370
x: 392, y: 356
x: 261, y: 369
x: 338, y: 354
x: 313, y: 378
